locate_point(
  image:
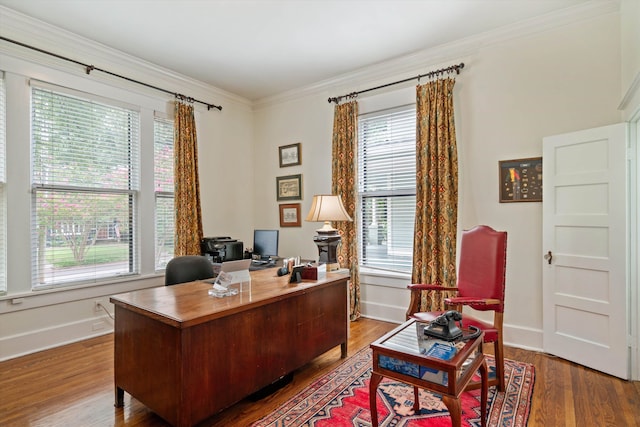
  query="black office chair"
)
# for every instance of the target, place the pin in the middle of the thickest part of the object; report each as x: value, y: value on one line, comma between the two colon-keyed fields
x: 187, y: 268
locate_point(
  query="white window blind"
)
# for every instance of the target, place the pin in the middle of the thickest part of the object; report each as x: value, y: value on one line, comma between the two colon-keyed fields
x: 85, y: 182
x: 387, y: 188
x: 3, y: 210
x: 164, y: 189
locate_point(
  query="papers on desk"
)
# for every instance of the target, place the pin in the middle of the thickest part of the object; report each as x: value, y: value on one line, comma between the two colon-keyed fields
x: 241, y: 276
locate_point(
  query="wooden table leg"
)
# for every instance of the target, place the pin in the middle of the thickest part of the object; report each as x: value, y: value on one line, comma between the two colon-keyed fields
x: 455, y: 409
x: 119, y: 397
x: 416, y: 400
x: 343, y: 350
x: 373, y: 391
x: 484, y: 376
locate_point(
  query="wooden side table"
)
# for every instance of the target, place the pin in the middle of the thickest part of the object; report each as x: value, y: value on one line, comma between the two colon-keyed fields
x: 402, y: 355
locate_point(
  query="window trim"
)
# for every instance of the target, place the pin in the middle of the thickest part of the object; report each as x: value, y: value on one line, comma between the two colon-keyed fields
x: 160, y: 194
x: 3, y: 186
x: 410, y: 109
x: 131, y: 191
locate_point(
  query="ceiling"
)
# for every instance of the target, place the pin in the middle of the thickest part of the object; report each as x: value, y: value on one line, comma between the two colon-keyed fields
x: 261, y: 48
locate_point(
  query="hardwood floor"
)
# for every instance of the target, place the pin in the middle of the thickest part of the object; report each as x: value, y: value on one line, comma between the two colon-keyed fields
x: 73, y: 386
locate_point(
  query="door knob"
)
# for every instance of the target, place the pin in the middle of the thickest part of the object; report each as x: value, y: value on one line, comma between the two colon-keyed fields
x: 548, y: 257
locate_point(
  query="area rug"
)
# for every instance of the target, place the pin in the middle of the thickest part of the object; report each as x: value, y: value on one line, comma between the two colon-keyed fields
x: 341, y: 398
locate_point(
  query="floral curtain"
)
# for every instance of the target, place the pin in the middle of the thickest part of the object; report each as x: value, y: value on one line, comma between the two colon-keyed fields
x: 188, y: 225
x: 345, y: 131
x: 434, y: 245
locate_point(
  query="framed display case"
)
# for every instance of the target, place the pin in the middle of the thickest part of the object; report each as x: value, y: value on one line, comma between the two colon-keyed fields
x: 520, y: 180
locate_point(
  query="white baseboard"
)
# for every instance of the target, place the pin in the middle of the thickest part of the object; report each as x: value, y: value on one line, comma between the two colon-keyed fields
x: 522, y: 337
x: 58, y: 317
x: 514, y: 336
x: 43, y: 339
x: 46, y: 338
x: 383, y: 312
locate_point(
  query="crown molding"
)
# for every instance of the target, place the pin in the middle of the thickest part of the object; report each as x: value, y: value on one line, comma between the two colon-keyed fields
x: 39, y: 34
x: 419, y: 61
x: 45, y: 36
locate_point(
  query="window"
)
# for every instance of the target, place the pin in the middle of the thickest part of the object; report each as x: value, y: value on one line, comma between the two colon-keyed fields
x: 163, y: 184
x: 3, y: 212
x: 387, y: 188
x: 84, y: 187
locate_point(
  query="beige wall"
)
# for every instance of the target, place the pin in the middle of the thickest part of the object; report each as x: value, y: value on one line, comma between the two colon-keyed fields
x: 512, y: 93
x: 307, y: 120
x: 509, y: 96
x: 630, y: 39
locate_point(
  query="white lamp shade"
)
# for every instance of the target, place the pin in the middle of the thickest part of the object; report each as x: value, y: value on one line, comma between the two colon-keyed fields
x: 326, y: 207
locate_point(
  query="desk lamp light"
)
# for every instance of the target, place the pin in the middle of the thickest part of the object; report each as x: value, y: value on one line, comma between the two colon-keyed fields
x: 328, y: 208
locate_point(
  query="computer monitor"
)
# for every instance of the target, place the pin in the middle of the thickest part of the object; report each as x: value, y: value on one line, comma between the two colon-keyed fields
x: 265, y: 243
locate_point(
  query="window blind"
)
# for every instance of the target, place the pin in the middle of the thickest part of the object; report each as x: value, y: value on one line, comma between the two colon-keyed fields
x: 164, y: 191
x: 387, y: 188
x: 85, y: 181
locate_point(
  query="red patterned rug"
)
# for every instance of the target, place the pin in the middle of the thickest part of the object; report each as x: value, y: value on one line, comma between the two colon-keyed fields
x: 341, y: 398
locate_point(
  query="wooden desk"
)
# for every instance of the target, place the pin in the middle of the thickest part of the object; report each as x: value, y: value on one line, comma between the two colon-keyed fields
x: 400, y: 355
x: 187, y: 355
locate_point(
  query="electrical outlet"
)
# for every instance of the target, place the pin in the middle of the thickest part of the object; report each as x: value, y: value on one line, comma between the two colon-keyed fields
x: 96, y: 306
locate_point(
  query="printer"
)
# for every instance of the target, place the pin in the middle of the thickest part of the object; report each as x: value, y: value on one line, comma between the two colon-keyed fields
x: 222, y: 248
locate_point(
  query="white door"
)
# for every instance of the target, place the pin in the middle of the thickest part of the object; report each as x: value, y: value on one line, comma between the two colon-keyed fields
x: 585, y: 289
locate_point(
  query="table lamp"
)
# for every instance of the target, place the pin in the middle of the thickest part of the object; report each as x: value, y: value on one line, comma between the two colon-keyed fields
x: 327, y: 208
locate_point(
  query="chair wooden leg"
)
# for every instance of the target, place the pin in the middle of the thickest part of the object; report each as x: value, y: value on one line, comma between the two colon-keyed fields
x: 499, y: 354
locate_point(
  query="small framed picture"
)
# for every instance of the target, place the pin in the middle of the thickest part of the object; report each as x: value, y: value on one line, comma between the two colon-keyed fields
x: 289, y: 187
x: 290, y: 155
x: 521, y: 180
x: 290, y: 215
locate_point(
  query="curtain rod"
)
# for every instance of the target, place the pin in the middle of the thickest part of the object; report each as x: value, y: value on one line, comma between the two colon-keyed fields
x: 89, y: 68
x: 447, y: 70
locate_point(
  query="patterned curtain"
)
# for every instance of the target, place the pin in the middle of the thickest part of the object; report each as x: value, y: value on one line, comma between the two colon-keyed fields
x: 187, y: 185
x: 345, y: 131
x: 434, y: 244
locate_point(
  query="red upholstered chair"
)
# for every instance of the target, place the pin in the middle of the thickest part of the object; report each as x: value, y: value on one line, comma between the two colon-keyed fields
x: 480, y: 285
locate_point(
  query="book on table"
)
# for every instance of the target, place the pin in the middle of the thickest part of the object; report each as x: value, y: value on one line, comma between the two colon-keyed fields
x: 441, y: 350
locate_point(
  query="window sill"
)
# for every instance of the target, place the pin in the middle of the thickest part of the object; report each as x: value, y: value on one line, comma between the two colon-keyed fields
x: 45, y: 297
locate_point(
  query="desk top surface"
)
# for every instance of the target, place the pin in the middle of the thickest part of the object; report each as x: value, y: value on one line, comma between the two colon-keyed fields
x: 188, y: 304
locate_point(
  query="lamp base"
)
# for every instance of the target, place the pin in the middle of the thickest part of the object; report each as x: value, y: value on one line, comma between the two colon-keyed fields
x: 327, y: 230
x: 327, y: 250
x: 333, y: 267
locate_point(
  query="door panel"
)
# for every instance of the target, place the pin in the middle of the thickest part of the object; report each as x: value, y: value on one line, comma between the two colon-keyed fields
x: 585, y: 283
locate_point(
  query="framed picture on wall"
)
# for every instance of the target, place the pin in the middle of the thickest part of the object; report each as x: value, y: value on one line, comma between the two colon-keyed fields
x: 521, y: 180
x: 290, y: 155
x: 290, y: 215
x: 289, y: 187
